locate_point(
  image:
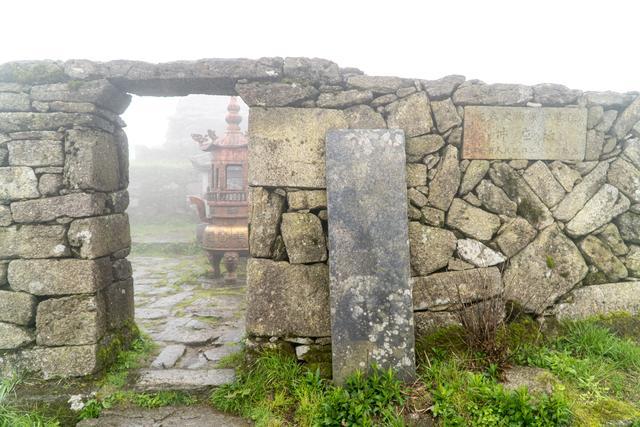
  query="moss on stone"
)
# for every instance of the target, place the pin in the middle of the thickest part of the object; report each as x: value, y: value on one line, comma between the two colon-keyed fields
x: 595, y: 278
x: 32, y: 73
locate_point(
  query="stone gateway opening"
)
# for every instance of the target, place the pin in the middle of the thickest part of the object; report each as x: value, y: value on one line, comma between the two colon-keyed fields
x: 529, y: 193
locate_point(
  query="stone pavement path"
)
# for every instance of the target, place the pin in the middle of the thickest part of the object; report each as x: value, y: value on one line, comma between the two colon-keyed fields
x: 194, y: 320
x: 170, y: 416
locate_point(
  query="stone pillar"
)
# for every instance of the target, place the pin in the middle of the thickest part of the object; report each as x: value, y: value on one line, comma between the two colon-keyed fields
x: 66, y: 293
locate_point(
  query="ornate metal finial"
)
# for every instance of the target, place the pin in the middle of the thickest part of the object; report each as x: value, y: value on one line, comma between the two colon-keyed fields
x: 233, y: 118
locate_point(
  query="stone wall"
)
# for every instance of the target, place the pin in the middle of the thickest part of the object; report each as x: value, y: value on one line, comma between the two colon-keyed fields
x: 66, y: 293
x: 559, y: 237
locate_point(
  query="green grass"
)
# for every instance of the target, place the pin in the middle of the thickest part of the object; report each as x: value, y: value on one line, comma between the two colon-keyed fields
x: 12, y: 417
x: 593, y: 373
x: 275, y: 390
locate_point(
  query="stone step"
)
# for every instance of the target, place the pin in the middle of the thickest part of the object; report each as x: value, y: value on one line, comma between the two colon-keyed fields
x: 182, y: 379
x: 187, y: 416
x: 169, y: 356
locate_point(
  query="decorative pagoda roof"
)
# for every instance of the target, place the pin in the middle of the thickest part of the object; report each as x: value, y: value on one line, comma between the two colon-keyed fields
x: 233, y: 135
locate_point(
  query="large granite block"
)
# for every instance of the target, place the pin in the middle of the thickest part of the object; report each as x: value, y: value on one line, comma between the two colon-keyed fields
x: 524, y: 133
x: 59, y: 277
x: 287, y: 145
x: 371, y: 306
x: 287, y: 299
x: 101, y: 235
x: 91, y: 161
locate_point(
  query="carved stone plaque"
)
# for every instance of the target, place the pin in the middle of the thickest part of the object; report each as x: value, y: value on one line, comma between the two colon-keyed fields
x: 524, y: 133
x: 370, y: 294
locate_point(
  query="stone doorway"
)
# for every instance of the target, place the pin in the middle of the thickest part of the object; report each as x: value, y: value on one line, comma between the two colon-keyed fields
x: 194, y: 318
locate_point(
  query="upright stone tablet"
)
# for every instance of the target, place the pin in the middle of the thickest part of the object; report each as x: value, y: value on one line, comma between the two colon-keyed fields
x: 524, y: 133
x: 371, y: 304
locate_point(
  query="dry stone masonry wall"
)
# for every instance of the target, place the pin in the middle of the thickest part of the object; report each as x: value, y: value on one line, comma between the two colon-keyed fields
x: 528, y: 192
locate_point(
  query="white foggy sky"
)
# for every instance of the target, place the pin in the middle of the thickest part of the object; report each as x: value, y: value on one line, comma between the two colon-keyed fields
x: 589, y: 45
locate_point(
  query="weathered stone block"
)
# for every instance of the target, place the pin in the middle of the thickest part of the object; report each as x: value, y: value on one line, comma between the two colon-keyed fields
x: 419, y: 146
x: 367, y: 223
x: 632, y: 261
x: 550, y: 94
x: 73, y: 320
x: 50, y: 184
x: 5, y: 216
x: 312, y: 70
x: 442, y: 87
x: 524, y: 133
x: 605, y: 205
x: 14, y: 102
x: 60, y: 277
x: 17, y: 183
x: 629, y: 226
x: 626, y: 178
x: 450, y: 289
x: 17, y: 307
x: 378, y: 84
x: 544, y: 184
x: 287, y: 299
x: 514, y: 236
x: 627, y: 119
x: 600, y: 299
x: 530, y: 206
x: 100, y: 236
x: 344, y: 99
x: 445, y: 114
x: 411, y: 114
x: 495, y: 94
x: 472, y: 221
x: 478, y: 254
x: 566, y: 176
x: 63, y: 362
x: 599, y: 255
x: 74, y: 205
x: 14, y: 336
x: 287, y: 145
x: 266, y: 211
x: 576, y: 199
x: 430, y: 247
x: 444, y: 186
x: 495, y: 200
x: 611, y: 236
x: 304, y: 238
x: 99, y: 92
x: 121, y: 269
x: 314, y: 199
x: 4, y: 265
x: 364, y: 117
x: 546, y: 269
x: 474, y: 173
x: 119, y: 304
x: 91, y: 160
x: 33, y: 241
x: 416, y: 174
x: 35, y: 153
x: 271, y: 94
x: 18, y: 122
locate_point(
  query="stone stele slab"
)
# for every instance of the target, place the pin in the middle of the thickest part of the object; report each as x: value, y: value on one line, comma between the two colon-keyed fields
x: 524, y: 133
x: 370, y: 294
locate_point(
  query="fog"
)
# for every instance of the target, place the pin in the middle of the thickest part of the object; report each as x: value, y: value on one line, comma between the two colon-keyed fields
x: 589, y: 45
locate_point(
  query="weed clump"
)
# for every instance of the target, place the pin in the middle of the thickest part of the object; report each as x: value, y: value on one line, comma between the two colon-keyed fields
x: 276, y: 390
